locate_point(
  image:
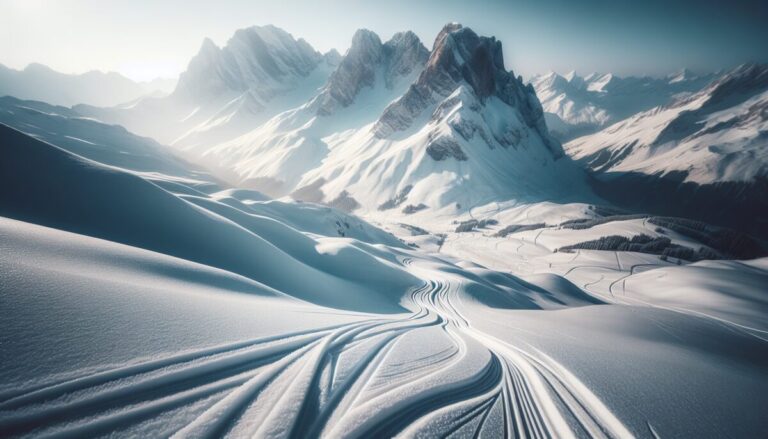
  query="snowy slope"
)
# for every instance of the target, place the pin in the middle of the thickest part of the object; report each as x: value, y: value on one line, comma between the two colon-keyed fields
x: 261, y: 71
x: 578, y: 105
x: 41, y: 83
x: 128, y: 342
x: 126, y: 208
x: 107, y: 144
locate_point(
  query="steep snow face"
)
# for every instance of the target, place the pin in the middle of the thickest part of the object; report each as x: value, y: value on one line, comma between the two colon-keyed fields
x: 224, y: 92
x: 582, y: 105
x: 39, y: 82
x: 716, y: 135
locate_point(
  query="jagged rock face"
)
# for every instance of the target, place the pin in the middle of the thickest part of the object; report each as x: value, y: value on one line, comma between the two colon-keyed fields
x: 368, y: 57
x: 261, y: 60
x: 356, y: 70
x: 460, y: 54
x: 459, y: 57
x: 443, y: 147
x: 403, y: 53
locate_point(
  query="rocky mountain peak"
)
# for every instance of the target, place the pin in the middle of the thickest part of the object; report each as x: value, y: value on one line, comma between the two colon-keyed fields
x: 404, y: 52
x: 357, y: 69
x: 366, y: 59
x: 262, y: 60
x: 461, y: 57
x: 364, y: 41
x: 459, y: 53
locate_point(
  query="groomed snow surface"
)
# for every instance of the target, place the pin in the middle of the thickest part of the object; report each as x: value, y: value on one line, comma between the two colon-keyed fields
x: 190, y: 310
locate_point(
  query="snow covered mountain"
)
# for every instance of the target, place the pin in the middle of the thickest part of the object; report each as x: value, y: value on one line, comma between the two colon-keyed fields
x: 41, y: 83
x: 393, y: 128
x: 578, y: 105
x: 712, y: 142
x: 275, y: 156
x: 261, y: 71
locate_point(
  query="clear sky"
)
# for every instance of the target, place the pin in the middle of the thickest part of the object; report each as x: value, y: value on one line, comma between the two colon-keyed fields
x: 144, y: 39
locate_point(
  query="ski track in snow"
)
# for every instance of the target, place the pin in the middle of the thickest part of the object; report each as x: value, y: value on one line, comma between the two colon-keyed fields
x: 348, y: 380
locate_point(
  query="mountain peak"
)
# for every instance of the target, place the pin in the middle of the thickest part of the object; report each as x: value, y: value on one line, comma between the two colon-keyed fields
x: 260, y: 59
x: 208, y: 46
x: 364, y: 38
x: 681, y: 75
x: 332, y: 57
x: 404, y: 53
x: 37, y: 67
x: 367, y: 59
x: 570, y: 76
x: 461, y: 58
x: 460, y: 54
x: 447, y: 29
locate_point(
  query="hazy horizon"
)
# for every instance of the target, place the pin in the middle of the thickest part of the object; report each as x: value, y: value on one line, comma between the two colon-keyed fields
x: 157, y: 40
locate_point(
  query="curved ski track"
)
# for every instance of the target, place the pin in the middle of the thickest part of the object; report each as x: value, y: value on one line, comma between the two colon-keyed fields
x: 351, y: 380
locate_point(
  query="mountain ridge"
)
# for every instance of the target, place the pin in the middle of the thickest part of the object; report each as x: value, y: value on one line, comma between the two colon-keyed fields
x: 42, y: 83
x: 577, y: 105
x: 450, y: 112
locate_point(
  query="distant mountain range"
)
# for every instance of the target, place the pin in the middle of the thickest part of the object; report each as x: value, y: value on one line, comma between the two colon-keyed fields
x: 578, y: 105
x: 41, y: 83
x: 703, y: 155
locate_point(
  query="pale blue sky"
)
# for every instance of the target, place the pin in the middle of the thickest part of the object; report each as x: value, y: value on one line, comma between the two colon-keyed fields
x: 147, y: 38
